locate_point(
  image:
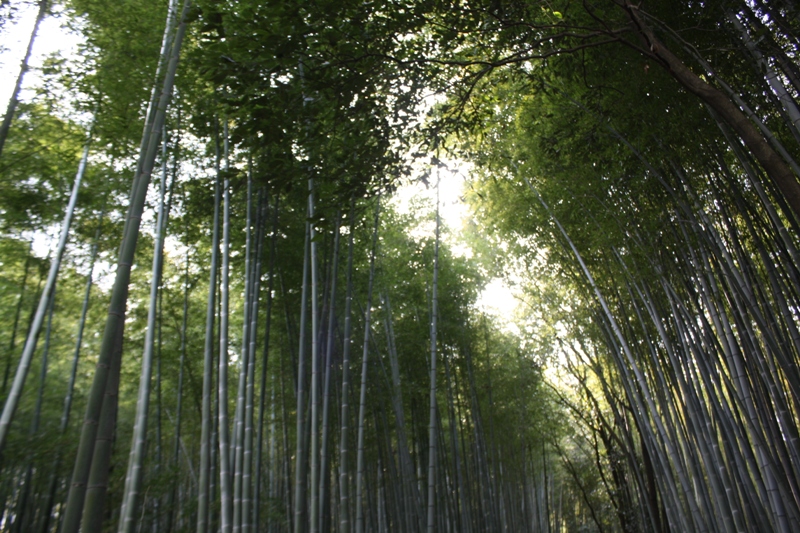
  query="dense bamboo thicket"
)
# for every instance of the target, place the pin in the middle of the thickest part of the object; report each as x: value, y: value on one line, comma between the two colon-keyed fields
x: 216, y: 314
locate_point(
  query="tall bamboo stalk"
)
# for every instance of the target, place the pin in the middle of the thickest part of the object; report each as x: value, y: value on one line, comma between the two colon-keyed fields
x: 206, y: 443
x: 344, y: 418
x: 113, y: 332
x: 324, y: 453
x: 314, y: 448
x: 431, y: 524
x: 23, y: 518
x: 301, y: 456
x: 172, y: 509
x: 12, y: 343
x: 239, y: 423
x: 225, y: 473
x: 247, y: 453
x: 96, y: 494
x: 24, y: 365
x: 135, y: 473
x: 263, y: 380
x: 362, y: 404
x: 68, y: 397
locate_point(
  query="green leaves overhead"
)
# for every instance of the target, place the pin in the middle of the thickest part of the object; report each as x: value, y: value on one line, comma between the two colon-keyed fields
x: 316, y: 81
x: 117, y: 67
x: 38, y: 166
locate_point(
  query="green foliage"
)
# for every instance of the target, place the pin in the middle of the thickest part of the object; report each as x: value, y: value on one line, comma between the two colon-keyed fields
x: 119, y: 61
x: 36, y: 174
x: 559, y: 103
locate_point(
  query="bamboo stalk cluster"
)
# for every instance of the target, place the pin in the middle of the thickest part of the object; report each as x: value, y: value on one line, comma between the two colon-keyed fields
x: 678, y: 298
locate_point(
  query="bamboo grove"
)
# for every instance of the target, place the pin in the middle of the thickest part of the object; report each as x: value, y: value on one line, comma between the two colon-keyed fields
x: 216, y: 315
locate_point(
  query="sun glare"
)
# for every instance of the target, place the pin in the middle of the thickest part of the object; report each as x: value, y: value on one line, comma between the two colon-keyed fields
x: 50, y: 38
x: 497, y: 299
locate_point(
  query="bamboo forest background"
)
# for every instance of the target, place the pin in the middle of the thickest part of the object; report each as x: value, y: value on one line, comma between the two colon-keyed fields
x: 236, y: 326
